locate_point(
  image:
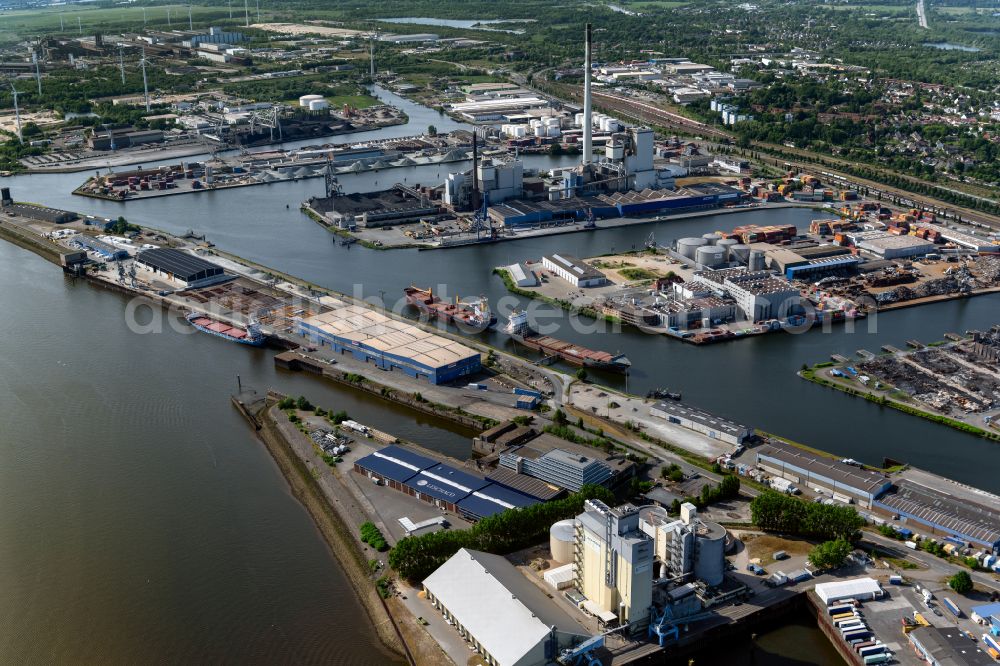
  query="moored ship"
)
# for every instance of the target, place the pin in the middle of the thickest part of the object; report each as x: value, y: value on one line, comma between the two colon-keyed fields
x: 519, y: 329
x: 474, y: 313
x: 250, y: 335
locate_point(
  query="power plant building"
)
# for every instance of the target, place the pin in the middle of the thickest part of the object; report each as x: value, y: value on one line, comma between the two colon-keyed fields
x: 614, y: 564
x: 389, y: 344
x: 508, y: 619
x: 759, y: 295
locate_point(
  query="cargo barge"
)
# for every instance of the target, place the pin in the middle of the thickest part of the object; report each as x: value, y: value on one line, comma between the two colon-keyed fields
x: 519, y: 329
x: 251, y: 335
x: 474, y: 314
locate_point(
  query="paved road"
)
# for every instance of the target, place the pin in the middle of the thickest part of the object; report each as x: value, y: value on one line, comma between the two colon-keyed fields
x: 894, y: 548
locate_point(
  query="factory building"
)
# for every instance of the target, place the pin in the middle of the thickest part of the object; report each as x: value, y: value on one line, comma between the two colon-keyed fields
x: 389, y: 344
x: 685, y: 548
x: 947, y: 647
x: 701, y: 421
x: 214, y: 36
x: 557, y: 467
x: 499, y: 181
x: 504, y: 616
x: 180, y: 267
x: 943, y: 514
x: 847, y: 483
x: 818, y: 268
x: 862, y: 589
x: 758, y: 294
x: 116, y: 139
x: 574, y: 271
x: 967, y: 241
x: 53, y: 215
x: 614, y: 564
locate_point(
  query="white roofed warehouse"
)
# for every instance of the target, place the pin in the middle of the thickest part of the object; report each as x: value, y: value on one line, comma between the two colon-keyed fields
x: 506, y: 617
x: 574, y: 271
x: 391, y: 344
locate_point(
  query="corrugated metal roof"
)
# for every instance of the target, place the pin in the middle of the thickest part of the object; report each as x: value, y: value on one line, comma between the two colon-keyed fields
x: 494, y: 499
x: 523, y: 483
x: 396, y: 463
x: 446, y: 483
x: 964, y: 518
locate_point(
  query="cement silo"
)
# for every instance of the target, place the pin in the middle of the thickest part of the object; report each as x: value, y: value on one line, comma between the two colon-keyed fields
x: 710, y: 553
x: 757, y: 260
x: 710, y: 256
x: 562, y: 540
x: 727, y: 244
x: 687, y: 247
x: 739, y: 253
x: 712, y: 238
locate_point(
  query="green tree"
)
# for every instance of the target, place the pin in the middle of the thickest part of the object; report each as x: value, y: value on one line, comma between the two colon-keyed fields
x: 581, y: 374
x: 830, y: 554
x: 961, y: 582
x: 431, y: 130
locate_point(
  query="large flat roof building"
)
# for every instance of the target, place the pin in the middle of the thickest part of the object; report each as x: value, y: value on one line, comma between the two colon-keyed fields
x: 947, y: 647
x: 178, y: 266
x: 574, y: 271
x: 390, y: 343
x: 809, y: 470
x: 506, y: 617
x: 943, y: 514
x: 701, y: 421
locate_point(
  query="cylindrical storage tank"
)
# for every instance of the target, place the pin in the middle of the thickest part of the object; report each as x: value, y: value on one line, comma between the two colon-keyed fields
x: 614, y: 125
x: 562, y: 537
x: 710, y: 256
x: 756, y: 260
x: 552, y: 122
x: 578, y: 119
x: 553, y: 131
x: 539, y: 130
x: 535, y: 122
x: 305, y: 99
x: 318, y: 104
x: 710, y: 553
x: 615, y: 151
x: 727, y: 244
x: 712, y: 238
x: 740, y: 253
x: 687, y: 247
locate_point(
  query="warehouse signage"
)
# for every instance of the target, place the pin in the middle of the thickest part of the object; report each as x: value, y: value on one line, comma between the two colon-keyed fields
x: 424, y: 483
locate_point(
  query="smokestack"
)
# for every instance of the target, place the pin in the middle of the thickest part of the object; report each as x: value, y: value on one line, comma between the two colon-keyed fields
x: 475, y: 172
x: 588, y: 148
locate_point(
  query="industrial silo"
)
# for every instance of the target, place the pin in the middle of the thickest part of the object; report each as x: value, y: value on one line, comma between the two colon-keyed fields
x: 727, y: 244
x: 712, y: 238
x: 739, y: 253
x: 757, y: 260
x: 578, y: 119
x: 687, y: 247
x: 710, y: 256
x: 305, y: 99
x: 318, y: 104
x: 562, y: 539
x: 710, y: 553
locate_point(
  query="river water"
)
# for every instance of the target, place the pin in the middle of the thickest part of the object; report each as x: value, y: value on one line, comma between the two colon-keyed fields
x: 135, y: 506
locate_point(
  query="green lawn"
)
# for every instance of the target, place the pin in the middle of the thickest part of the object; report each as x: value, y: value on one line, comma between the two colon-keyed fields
x: 357, y: 101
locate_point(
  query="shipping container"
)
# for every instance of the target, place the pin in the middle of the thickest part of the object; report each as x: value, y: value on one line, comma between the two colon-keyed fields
x: 839, y: 608
x: 991, y: 642
x: 877, y: 659
x: 860, y: 646
x: 895, y: 580
x: 843, y: 616
x: 952, y: 606
x: 873, y: 649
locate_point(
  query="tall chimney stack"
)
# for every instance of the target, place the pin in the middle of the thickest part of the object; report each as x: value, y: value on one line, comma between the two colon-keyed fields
x: 475, y: 171
x: 588, y: 148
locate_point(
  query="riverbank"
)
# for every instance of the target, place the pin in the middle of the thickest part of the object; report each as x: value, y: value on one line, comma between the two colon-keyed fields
x: 332, y: 525
x: 883, y: 399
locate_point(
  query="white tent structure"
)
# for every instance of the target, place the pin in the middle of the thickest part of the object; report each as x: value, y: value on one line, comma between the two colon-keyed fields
x: 861, y: 589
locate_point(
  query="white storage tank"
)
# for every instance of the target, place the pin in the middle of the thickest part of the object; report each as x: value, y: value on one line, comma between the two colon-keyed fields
x: 615, y: 151
x: 578, y: 119
x: 740, y: 253
x: 305, y: 99
x: 539, y: 130
x: 553, y: 131
x: 552, y: 122
x: 757, y: 260
x: 727, y: 244
x: 687, y: 247
x: 562, y: 539
x: 712, y: 238
x: 318, y: 105
x: 710, y: 256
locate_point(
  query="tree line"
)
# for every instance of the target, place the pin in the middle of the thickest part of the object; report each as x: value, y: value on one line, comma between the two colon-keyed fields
x: 775, y: 512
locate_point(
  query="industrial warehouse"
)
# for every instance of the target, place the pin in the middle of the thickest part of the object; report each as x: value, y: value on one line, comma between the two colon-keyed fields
x: 436, y: 483
x: 180, y: 267
x: 844, y: 482
x: 943, y: 514
x: 701, y: 421
x: 389, y: 343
